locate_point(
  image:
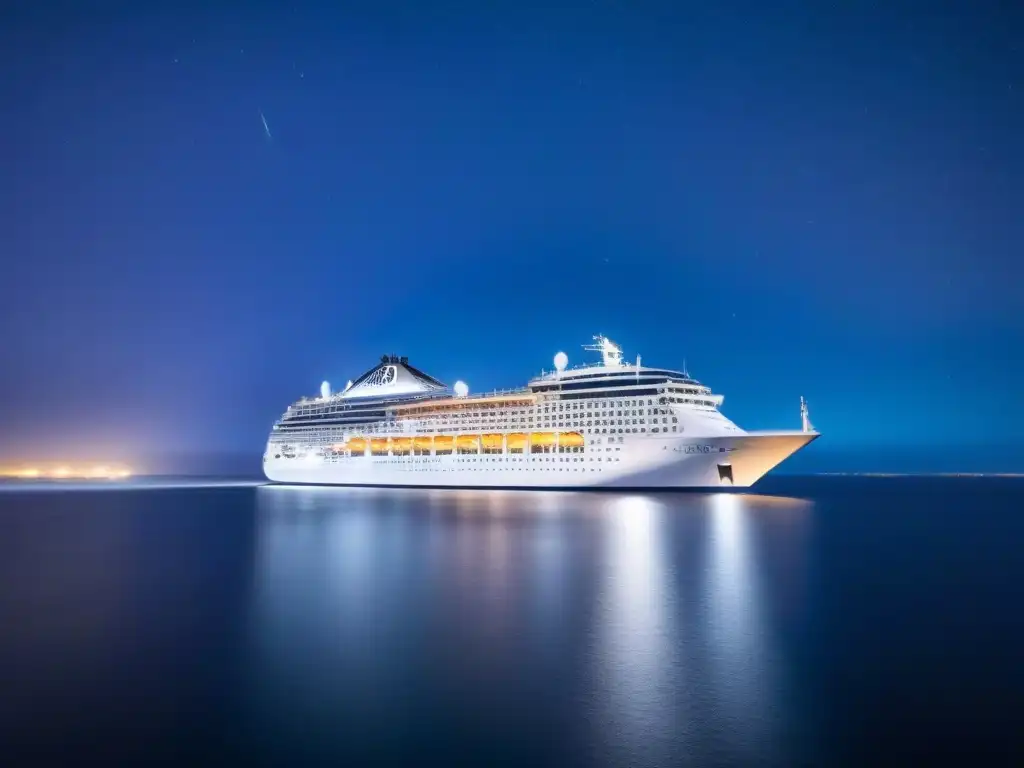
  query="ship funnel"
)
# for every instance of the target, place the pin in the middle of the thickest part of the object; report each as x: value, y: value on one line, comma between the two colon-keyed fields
x: 325, y: 390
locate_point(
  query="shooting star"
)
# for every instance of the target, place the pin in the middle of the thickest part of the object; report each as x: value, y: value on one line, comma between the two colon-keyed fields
x: 265, y: 126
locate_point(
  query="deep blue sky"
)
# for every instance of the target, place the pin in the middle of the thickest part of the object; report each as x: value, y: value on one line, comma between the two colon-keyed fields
x: 819, y: 199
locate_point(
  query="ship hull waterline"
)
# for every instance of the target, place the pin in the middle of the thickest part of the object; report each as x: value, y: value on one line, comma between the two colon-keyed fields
x: 735, y: 461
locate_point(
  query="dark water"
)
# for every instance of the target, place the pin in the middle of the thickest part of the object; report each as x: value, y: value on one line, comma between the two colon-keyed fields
x: 820, y: 621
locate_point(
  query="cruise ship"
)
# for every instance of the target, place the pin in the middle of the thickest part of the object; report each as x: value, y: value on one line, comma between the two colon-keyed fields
x: 610, y: 424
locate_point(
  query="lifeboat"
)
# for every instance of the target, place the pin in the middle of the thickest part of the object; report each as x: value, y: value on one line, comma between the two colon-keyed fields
x: 492, y: 442
x: 444, y: 443
x: 468, y: 443
x: 516, y: 442
x: 379, y: 445
x: 570, y: 440
x: 423, y: 443
x: 401, y: 444
x: 542, y: 438
x: 357, y: 445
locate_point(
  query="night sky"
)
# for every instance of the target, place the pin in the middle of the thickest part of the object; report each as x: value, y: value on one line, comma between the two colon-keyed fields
x: 818, y: 199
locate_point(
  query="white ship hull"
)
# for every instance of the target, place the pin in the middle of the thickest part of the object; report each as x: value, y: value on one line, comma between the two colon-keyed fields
x: 641, y: 461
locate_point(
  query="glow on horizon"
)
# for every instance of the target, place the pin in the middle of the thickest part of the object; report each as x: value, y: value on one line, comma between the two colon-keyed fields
x: 68, y: 472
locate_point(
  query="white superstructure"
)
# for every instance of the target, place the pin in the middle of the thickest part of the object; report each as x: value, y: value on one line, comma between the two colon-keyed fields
x: 612, y: 424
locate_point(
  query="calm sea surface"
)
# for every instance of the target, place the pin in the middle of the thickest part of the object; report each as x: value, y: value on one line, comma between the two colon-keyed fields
x: 827, y: 620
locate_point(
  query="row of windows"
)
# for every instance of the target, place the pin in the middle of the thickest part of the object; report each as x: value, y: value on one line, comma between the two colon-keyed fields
x: 674, y: 375
x: 517, y: 459
x: 330, y: 436
x: 569, y: 386
x: 504, y: 459
x: 522, y: 415
x: 415, y: 468
x: 325, y: 440
x: 590, y: 381
x: 533, y: 449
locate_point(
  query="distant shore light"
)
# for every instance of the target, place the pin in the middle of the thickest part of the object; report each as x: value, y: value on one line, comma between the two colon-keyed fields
x: 67, y: 472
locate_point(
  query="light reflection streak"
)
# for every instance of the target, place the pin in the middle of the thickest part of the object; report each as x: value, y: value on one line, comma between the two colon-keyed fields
x: 549, y: 553
x: 746, y: 663
x: 736, y: 635
x: 637, y: 626
x: 733, y: 611
x: 315, y: 588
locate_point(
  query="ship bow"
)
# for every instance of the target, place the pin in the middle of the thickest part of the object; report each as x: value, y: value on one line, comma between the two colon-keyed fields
x: 759, y: 452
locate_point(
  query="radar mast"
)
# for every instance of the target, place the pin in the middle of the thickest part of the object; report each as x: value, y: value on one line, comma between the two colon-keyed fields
x: 611, y: 353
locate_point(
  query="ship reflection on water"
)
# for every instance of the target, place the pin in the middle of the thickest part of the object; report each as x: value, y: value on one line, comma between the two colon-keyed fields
x: 291, y: 625
x: 622, y: 627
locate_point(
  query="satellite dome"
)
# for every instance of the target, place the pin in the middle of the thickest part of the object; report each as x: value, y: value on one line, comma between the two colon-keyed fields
x: 349, y: 385
x: 561, y: 360
x: 325, y: 390
x: 461, y: 389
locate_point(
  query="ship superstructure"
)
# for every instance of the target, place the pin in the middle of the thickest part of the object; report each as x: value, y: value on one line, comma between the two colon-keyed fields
x: 609, y: 424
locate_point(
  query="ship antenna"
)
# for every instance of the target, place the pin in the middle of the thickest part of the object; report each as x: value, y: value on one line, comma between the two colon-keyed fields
x: 805, y: 416
x: 611, y: 354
